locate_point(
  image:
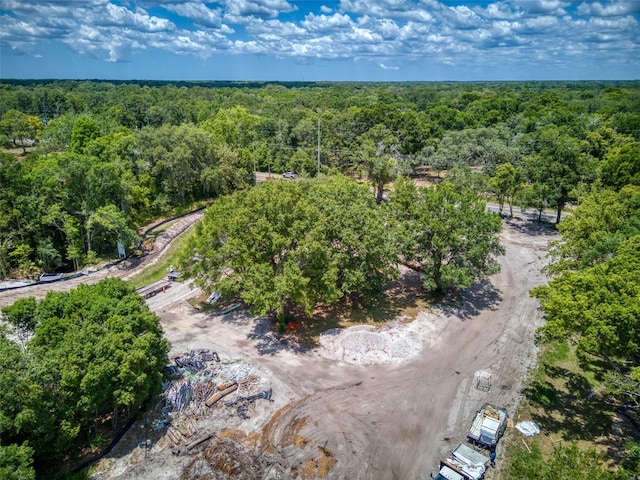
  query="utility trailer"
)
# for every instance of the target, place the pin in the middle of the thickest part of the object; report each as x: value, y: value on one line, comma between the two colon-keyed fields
x: 153, y: 289
x: 464, y: 463
x: 488, y: 426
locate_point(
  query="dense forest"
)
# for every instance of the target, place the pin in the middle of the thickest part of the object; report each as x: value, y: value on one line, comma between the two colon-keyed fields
x: 86, y: 163
x: 103, y: 158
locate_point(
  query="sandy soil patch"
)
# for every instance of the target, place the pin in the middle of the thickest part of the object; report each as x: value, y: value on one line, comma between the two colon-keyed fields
x: 387, y: 343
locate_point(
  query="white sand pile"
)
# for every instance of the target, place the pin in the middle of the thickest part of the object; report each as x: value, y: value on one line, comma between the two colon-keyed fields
x: 393, y: 341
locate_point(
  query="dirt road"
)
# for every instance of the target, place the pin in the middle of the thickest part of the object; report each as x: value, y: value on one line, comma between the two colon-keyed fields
x: 125, y: 269
x: 393, y: 420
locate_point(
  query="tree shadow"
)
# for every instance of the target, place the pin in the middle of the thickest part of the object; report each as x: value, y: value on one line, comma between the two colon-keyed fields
x: 568, y: 406
x: 401, y: 299
x: 471, y: 302
x: 269, y: 341
x: 531, y: 227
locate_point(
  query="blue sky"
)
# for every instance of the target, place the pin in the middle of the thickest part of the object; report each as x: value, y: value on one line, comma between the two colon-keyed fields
x: 357, y: 40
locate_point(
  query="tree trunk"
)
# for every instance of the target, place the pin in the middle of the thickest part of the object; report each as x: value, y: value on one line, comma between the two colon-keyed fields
x: 379, y: 192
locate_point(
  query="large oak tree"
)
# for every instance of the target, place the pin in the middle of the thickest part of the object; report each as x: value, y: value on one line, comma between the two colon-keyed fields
x: 286, y: 245
x: 447, y: 234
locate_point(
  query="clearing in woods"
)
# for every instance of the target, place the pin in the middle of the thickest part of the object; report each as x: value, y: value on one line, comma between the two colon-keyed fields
x: 368, y: 402
x: 371, y: 401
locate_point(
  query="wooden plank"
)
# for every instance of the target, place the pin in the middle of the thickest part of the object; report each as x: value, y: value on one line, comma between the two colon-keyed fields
x: 198, y: 441
x: 215, y: 398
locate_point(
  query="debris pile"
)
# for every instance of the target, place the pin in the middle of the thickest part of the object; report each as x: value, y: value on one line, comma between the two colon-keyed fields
x: 189, y: 382
x: 242, y: 403
x: 194, y: 386
x: 225, y: 460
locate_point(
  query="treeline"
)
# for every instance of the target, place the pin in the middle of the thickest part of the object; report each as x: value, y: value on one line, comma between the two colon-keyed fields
x: 109, y: 156
x: 72, y: 367
x: 592, y: 308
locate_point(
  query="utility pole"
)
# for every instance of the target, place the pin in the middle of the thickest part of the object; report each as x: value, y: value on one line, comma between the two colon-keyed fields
x: 318, y: 146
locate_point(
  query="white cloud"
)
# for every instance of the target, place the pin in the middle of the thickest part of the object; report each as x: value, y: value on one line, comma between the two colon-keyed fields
x: 139, y: 20
x: 396, y: 9
x: 387, y: 67
x: 463, y: 17
x: 537, y: 25
x: 498, y: 11
x: 318, y: 23
x: 237, y: 11
x: 535, y: 7
x: 609, y: 9
x: 198, y: 13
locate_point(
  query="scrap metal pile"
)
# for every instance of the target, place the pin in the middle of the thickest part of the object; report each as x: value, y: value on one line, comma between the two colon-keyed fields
x: 242, y: 403
x: 194, y: 385
x: 199, y: 379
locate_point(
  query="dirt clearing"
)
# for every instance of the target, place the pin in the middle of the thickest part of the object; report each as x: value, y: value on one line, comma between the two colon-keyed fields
x: 369, y: 402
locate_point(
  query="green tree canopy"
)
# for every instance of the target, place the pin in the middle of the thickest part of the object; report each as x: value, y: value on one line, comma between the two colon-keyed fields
x: 16, y: 462
x: 97, y: 351
x: 621, y: 166
x: 85, y: 129
x: 599, y: 307
x: 447, y: 234
x: 598, y: 225
x: 286, y: 245
x: 600, y: 304
x: 506, y: 184
x: 18, y: 126
x: 558, y: 162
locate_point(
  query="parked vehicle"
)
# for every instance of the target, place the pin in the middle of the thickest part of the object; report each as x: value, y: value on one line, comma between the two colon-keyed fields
x: 488, y: 426
x: 214, y: 297
x: 290, y: 175
x: 50, y: 277
x: 464, y: 463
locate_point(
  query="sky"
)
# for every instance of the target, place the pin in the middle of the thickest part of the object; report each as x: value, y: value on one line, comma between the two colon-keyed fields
x: 341, y: 40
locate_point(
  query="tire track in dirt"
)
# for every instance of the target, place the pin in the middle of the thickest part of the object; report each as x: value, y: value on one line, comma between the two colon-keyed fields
x: 397, y: 421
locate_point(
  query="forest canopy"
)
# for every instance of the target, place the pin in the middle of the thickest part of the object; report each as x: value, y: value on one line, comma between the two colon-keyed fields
x: 83, y: 357
x: 88, y: 162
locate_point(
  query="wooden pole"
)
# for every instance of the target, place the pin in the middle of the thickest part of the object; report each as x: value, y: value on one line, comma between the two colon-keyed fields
x: 214, y: 398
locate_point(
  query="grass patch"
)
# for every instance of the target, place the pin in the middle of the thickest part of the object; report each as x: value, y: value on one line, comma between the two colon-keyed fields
x: 168, y: 257
x: 560, y: 397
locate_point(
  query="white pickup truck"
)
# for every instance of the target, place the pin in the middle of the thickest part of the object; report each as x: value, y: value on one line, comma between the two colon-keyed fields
x: 488, y: 426
x: 464, y: 463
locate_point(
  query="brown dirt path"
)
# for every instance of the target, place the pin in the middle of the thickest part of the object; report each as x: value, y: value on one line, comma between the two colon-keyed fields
x: 125, y: 269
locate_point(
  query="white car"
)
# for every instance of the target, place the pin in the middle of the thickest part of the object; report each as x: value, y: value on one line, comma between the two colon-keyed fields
x: 214, y: 297
x: 50, y: 277
x: 289, y: 175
